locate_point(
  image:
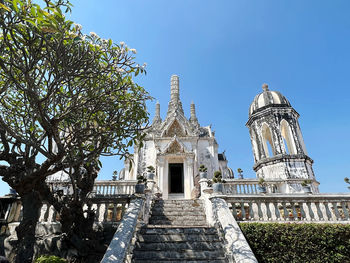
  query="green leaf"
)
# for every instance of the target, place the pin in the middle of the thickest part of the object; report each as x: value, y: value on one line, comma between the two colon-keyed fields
x: 14, y: 4
x: 31, y: 22
x: 5, y: 7
x: 33, y: 11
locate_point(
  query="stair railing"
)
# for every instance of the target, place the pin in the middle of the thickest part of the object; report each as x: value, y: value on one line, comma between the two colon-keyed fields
x: 218, y: 214
x: 137, y: 215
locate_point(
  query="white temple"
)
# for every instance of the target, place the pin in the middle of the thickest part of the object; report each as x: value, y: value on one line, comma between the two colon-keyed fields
x: 176, y: 147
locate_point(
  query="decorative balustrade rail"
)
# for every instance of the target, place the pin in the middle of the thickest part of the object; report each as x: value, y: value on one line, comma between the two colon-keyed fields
x: 296, y: 207
x: 111, y: 188
x: 250, y: 186
x: 106, y: 210
x: 240, y: 186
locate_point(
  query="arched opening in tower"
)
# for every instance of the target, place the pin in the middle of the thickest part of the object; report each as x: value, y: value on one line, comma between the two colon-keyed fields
x: 267, y: 141
x: 286, y: 133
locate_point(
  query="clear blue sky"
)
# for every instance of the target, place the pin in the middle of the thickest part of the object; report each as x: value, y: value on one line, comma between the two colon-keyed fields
x: 224, y: 51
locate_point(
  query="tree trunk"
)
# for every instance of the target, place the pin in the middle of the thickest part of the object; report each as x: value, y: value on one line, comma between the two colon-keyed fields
x: 77, y: 227
x: 26, y: 230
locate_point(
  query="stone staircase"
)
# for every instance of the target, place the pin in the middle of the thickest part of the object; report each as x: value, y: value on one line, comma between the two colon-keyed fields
x: 178, y: 232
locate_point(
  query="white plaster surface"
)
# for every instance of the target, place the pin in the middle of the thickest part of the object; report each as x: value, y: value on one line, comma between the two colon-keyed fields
x: 118, y: 247
x: 177, y: 140
x: 237, y: 245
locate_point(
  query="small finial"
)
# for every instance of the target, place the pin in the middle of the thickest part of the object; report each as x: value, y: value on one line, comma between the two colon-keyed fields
x: 157, y: 113
x: 265, y: 87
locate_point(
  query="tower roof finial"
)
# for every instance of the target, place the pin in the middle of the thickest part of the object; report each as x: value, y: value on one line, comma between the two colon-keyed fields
x: 265, y: 87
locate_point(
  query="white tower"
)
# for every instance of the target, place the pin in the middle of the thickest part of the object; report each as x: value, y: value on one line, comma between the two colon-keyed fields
x: 278, y: 146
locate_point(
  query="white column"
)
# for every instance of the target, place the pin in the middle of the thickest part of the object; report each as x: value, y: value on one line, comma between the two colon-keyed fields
x: 188, y: 177
x: 163, y: 176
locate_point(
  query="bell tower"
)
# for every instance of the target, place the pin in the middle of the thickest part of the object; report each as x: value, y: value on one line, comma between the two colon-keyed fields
x: 278, y: 146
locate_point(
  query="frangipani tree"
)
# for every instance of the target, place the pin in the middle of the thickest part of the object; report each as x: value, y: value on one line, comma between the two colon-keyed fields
x: 65, y: 99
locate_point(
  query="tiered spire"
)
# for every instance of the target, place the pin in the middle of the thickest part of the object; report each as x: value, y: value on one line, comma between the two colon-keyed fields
x: 193, y: 118
x: 175, y: 103
x: 157, y: 118
x: 175, y: 89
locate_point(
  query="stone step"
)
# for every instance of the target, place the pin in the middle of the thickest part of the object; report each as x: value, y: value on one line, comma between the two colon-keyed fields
x: 188, y: 203
x: 184, y: 254
x: 177, y: 213
x: 176, y: 246
x: 156, y: 238
x: 179, y: 218
x: 179, y: 201
x: 183, y: 203
x: 173, y: 230
x: 178, y: 209
x: 178, y: 232
x: 222, y: 260
x: 195, y: 223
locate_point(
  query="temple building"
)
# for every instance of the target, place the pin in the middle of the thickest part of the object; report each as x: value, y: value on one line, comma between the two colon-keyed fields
x: 177, y: 146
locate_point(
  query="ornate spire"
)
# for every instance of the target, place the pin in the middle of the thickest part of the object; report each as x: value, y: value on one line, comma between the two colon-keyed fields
x: 175, y: 90
x: 157, y: 118
x: 175, y: 104
x: 193, y: 117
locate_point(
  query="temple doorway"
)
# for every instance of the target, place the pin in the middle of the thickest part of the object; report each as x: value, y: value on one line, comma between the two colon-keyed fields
x: 176, y: 178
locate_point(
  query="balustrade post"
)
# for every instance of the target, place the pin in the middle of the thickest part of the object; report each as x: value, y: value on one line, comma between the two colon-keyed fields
x: 328, y: 211
x: 345, y: 211
x: 277, y: 211
x: 242, y: 210
x: 294, y: 211
x: 105, y: 215
x: 302, y: 211
x: 336, y: 211
x: 251, y: 212
x: 319, y: 212
x: 268, y: 211
x: 311, y: 213
x: 114, y: 213
x: 204, y: 186
x: 98, y: 211
x: 260, y: 213
x: 285, y: 211
x: 234, y: 211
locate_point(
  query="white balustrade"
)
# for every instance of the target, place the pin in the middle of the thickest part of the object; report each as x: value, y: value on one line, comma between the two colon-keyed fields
x: 107, y: 209
x: 240, y: 186
x: 248, y: 186
x: 110, y: 188
x: 283, y: 207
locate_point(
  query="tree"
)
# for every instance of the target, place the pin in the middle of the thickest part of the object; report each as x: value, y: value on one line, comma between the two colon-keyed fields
x: 347, y: 180
x: 65, y: 99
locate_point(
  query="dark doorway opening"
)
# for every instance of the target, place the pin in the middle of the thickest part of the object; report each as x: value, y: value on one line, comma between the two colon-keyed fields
x: 176, y: 178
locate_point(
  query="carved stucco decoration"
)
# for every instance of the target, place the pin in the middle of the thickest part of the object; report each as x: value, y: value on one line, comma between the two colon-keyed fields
x: 175, y: 147
x: 175, y: 129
